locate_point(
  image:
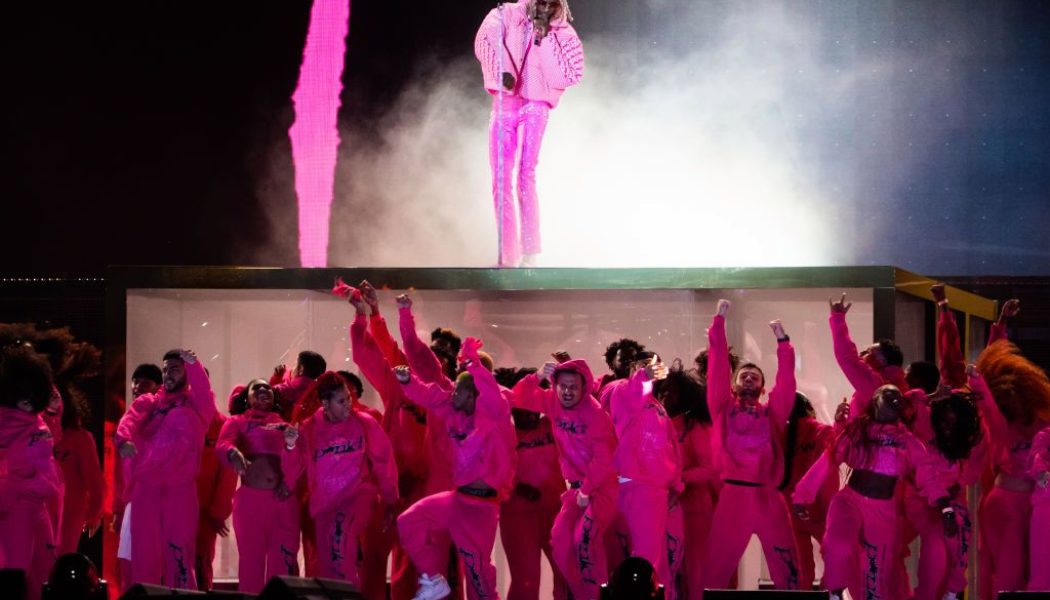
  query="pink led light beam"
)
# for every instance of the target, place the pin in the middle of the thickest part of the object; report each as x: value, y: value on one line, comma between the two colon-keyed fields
x: 315, y: 132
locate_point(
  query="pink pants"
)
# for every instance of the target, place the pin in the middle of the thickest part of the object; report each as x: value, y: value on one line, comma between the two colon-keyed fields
x: 697, y: 507
x: 205, y: 555
x: 1039, y: 580
x: 164, y: 534
x: 741, y: 512
x: 267, y: 531
x: 526, y: 536
x: 338, y: 536
x: 645, y: 508
x: 530, y: 118
x: 806, y: 531
x: 1004, y: 521
x: 856, y: 522
x: 74, y: 515
x: 942, y: 560
x: 27, y: 542
x: 578, y: 542
x: 470, y: 522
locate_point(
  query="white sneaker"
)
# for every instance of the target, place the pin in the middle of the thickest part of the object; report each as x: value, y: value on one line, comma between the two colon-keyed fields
x: 529, y: 261
x: 834, y: 595
x: 432, y: 588
x: 951, y: 596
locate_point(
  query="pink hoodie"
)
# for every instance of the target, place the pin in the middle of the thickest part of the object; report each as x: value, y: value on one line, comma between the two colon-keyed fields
x: 584, y: 433
x: 78, y: 457
x: 291, y: 391
x: 541, y: 73
x: 864, y: 379
x: 648, y: 443
x: 949, y: 347
x: 252, y: 432
x: 1039, y: 463
x: 168, y: 432
x: 483, y: 443
x: 948, y: 473
x: 28, y: 471
x: 752, y: 438
x: 340, y: 458
x: 1011, y: 445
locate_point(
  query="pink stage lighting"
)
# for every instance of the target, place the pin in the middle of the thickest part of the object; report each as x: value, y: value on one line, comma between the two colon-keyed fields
x: 315, y: 133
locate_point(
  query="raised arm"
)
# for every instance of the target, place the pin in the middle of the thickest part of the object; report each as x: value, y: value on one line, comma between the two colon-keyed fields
x: 374, y: 366
x: 626, y: 397
x: 529, y: 389
x: 719, y: 374
x: 782, y: 397
x: 949, y: 347
x: 201, y: 395
x: 860, y: 375
x: 428, y: 395
x: 998, y: 332
x: 425, y: 364
x: 377, y: 326
x: 491, y: 402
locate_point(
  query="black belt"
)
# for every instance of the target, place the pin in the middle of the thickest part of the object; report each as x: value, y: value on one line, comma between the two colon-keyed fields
x: 477, y: 492
x: 742, y: 483
x: 575, y: 485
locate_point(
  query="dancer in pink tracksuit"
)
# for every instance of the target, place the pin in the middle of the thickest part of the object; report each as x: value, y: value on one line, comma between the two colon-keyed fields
x: 806, y: 440
x: 348, y: 461
x: 29, y: 475
x: 84, y: 487
x: 529, y: 55
x: 1021, y: 393
x: 374, y: 351
x: 478, y: 421
x: 650, y: 470
x: 265, y: 512
x: 951, y: 427
x: 752, y: 456
x: 164, y: 434
x: 586, y: 442
x: 289, y: 386
x: 215, y: 488
x: 880, y: 450
x: 527, y: 516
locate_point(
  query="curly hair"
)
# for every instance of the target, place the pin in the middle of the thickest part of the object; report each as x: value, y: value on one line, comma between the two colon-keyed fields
x: 690, y: 395
x: 509, y: 377
x: 701, y: 363
x: 24, y: 375
x: 802, y: 409
x: 955, y: 444
x: 621, y: 344
x: 1019, y: 387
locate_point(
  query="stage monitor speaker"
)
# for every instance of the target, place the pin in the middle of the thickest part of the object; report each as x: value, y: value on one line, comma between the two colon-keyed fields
x: 142, y: 590
x: 1024, y: 595
x: 13, y: 582
x: 765, y: 595
x: 309, y: 588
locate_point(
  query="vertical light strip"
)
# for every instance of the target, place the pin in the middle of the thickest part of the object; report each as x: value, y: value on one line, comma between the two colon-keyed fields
x: 315, y: 132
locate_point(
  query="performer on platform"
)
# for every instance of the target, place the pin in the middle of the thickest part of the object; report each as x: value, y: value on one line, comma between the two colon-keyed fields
x: 529, y: 55
x: 164, y: 434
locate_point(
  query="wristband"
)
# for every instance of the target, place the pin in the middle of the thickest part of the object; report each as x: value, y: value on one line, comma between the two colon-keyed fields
x: 786, y: 338
x: 947, y: 510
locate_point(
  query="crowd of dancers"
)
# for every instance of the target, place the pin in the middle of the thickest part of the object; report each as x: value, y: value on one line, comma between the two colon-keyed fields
x: 677, y: 466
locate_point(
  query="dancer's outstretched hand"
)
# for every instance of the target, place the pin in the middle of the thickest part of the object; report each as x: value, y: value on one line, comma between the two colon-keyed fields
x: 403, y: 373
x: 371, y: 297
x: 937, y: 290
x: 778, y: 329
x: 1011, y: 308
x: 803, y: 512
x: 723, y: 307
x: 656, y: 369
x: 547, y: 371
x: 841, y: 306
x: 127, y: 450
x: 403, y: 301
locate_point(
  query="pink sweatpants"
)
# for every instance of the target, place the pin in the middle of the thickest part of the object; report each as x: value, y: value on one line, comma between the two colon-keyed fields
x: 1004, y: 521
x: 942, y: 560
x: 806, y: 531
x: 854, y: 523
x: 470, y: 522
x: 205, y: 554
x: 1039, y: 580
x: 338, y: 536
x: 741, y: 512
x: 27, y: 542
x: 530, y: 118
x: 697, y: 507
x: 267, y: 531
x: 645, y: 508
x: 578, y: 542
x: 74, y: 513
x: 526, y: 536
x: 164, y: 534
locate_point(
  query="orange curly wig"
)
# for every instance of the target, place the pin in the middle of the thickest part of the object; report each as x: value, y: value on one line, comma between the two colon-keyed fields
x: 1020, y: 388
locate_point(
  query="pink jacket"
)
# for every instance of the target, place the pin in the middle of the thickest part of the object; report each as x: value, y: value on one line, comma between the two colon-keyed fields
x: 168, y: 432
x: 893, y: 450
x: 752, y: 438
x: 864, y: 379
x: 949, y: 347
x: 1039, y: 463
x: 1011, y: 444
x: 543, y: 72
x: 584, y: 433
x: 215, y: 485
x: 700, y: 472
x: 405, y: 423
x: 28, y: 470
x: 482, y: 443
x: 340, y: 458
x: 537, y: 466
x: 291, y: 391
x: 78, y: 456
x: 252, y: 432
x: 648, y: 443
x: 949, y: 474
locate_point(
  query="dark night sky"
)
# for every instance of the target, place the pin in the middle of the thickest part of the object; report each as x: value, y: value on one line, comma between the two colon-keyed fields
x: 149, y: 132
